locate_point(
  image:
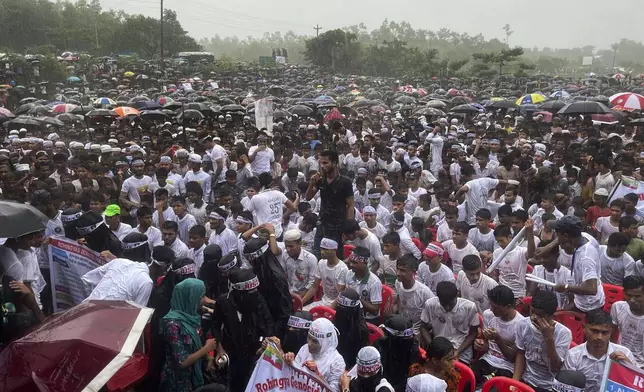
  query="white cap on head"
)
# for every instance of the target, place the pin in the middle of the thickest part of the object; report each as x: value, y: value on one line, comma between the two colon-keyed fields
x: 195, y: 158
x: 292, y: 235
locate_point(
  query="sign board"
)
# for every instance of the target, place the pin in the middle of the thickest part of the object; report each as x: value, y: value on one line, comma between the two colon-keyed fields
x: 587, y: 60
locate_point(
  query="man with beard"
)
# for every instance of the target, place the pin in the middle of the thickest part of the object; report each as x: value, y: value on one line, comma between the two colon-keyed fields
x: 134, y: 187
x: 273, y: 279
x: 241, y: 319
x: 336, y: 195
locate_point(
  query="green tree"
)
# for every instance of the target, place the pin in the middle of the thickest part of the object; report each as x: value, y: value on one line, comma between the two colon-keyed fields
x: 499, y: 59
x: 335, y: 50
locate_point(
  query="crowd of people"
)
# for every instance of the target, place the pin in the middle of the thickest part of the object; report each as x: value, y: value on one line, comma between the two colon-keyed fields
x: 420, y: 229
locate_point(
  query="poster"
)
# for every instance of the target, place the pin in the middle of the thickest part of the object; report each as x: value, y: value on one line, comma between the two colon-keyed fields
x: 626, y: 185
x: 620, y: 377
x: 264, y: 114
x: 68, y: 262
x: 272, y: 374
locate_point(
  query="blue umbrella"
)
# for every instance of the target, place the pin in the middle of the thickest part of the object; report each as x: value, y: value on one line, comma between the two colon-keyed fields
x: 560, y: 95
x: 145, y: 105
x: 73, y: 79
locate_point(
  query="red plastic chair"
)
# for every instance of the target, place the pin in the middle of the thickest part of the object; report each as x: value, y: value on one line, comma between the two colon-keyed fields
x: 523, y: 306
x: 375, y: 333
x: 322, y: 311
x: 134, y: 370
x: 297, y: 302
x: 503, y: 384
x: 613, y: 294
x: 387, y: 304
x: 467, y: 377
x: 572, y: 344
x: 319, y: 294
x: 575, y: 322
x: 530, y: 269
x: 347, y: 250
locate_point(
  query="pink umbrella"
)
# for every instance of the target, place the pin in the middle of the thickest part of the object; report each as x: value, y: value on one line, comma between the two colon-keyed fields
x: 452, y: 92
x: 334, y: 114
x: 80, y: 349
x: 6, y: 112
x: 63, y: 108
x: 547, y: 116
x: 608, y: 117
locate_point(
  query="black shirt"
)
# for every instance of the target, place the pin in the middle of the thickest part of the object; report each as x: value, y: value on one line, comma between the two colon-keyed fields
x: 333, y: 196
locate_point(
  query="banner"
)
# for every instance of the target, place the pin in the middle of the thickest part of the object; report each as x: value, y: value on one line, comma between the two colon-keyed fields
x: 264, y: 114
x: 272, y: 374
x: 620, y: 377
x: 68, y: 262
x: 626, y: 185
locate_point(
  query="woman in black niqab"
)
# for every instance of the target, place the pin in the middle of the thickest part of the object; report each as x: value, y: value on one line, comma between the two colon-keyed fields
x: 97, y: 235
x: 273, y: 282
x: 69, y: 218
x: 297, y: 331
x: 136, y: 247
x: 398, y: 350
x: 240, y: 338
x: 352, y: 326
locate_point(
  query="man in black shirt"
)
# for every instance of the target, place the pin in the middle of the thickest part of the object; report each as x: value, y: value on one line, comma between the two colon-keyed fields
x: 336, y: 196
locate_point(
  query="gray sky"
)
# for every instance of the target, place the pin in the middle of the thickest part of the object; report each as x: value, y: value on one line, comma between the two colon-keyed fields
x: 552, y: 23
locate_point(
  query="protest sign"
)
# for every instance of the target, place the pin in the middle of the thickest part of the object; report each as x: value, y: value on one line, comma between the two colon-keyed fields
x: 264, y: 114
x: 626, y: 185
x: 68, y: 262
x: 620, y: 377
x: 273, y: 374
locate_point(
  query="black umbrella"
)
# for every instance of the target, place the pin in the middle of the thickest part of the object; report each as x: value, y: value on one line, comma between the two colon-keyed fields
x: 22, y: 121
x: 39, y: 110
x: 435, y: 103
x: 300, y: 110
x: 553, y: 106
x: 82, y: 109
x: 50, y: 121
x: 429, y: 112
x: 406, y: 99
x: 17, y: 219
x: 68, y: 117
x: 25, y: 108
x: 467, y: 108
x: 505, y: 104
x: 232, y: 108
x: 197, y: 106
x: 102, y: 113
x: 585, y: 107
x: 27, y: 100
x: 190, y: 114
x: 153, y: 115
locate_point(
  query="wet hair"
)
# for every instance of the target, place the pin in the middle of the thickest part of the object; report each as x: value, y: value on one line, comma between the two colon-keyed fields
x: 632, y: 197
x: 484, y: 213
x: 199, y: 230
x: 502, y: 231
x: 408, y: 261
x: 391, y: 238
x: 332, y: 155
x: 505, y: 210
x: 462, y: 227
x: 179, y: 199
x: 170, y: 225
x: 350, y: 226
x: 471, y: 263
x: 619, y: 239
x: 618, y: 203
x: 398, y: 198
x: 161, y: 192
x: 521, y: 215
x: 439, y: 348
x: 553, y: 251
x: 627, y: 221
x: 143, y: 212
x: 446, y: 291
x: 501, y: 295
x: 194, y: 187
x: 633, y: 282
x: 545, y: 301
x: 310, y: 219
x: 598, y: 317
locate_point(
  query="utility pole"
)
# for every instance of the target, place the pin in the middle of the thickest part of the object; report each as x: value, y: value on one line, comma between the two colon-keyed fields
x: 317, y: 29
x: 161, y: 22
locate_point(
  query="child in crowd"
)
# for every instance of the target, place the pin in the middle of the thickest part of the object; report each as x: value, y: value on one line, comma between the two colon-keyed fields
x: 615, y: 263
x: 432, y: 270
x: 474, y: 285
x: 482, y: 236
x: 459, y: 246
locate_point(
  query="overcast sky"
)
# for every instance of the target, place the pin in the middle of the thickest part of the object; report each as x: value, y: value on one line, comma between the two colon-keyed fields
x: 552, y: 23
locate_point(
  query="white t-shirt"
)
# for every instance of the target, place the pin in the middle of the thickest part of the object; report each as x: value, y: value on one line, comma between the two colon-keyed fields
x: 369, y: 289
x: 614, y: 270
x: 561, y: 275
x: 537, y: 365
x: 565, y: 259
x: 123, y: 230
x: 331, y: 278
x: 227, y: 241
x: 29, y: 261
x: 203, y: 179
x: 512, y: 270
x: 180, y: 249
x: 372, y: 243
x: 432, y: 279
x: 411, y: 303
x: 172, y: 189
x: 218, y: 152
x: 134, y: 187
x: 154, y: 236
x: 476, y: 196
x: 379, y: 230
x: 456, y: 254
x: 482, y: 242
x: 185, y: 224
x: 11, y: 266
x: 120, y: 279
x: 605, y: 228
x: 443, y: 233
x: 581, y: 360
x: 454, y: 325
x: 262, y: 162
x: 197, y: 256
x: 587, y: 266
x: 300, y: 271
x: 168, y: 215
x: 505, y: 329
x: 476, y: 292
x: 631, y: 330
x: 268, y: 205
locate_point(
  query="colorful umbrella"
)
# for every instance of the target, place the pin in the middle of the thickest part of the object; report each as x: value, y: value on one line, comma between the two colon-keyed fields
x: 104, y: 101
x: 164, y: 100
x: 618, y: 76
x: 73, y: 79
x: 334, y: 114
x: 128, y: 74
x: 78, y: 350
x: 125, y: 111
x: 560, y: 95
x: 630, y: 101
x: 63, y: 108
x: 532, y: 99
x: 5, y: 112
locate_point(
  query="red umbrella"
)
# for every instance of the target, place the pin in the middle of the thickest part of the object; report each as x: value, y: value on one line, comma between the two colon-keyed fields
x: 78, y: 350
x: 608, y: 117
x: 334, y: 114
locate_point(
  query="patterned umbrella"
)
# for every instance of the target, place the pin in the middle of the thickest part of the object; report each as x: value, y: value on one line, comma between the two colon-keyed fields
x: 618, y: 76
x: 560, y: 95
x: 63, y: 108
x: 104, y: 101
x: 630, y: 101
x: 530, y: 99
x: 125, y: 111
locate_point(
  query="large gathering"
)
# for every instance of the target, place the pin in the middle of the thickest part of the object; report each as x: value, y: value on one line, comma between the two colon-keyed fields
x: 374, y: 234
